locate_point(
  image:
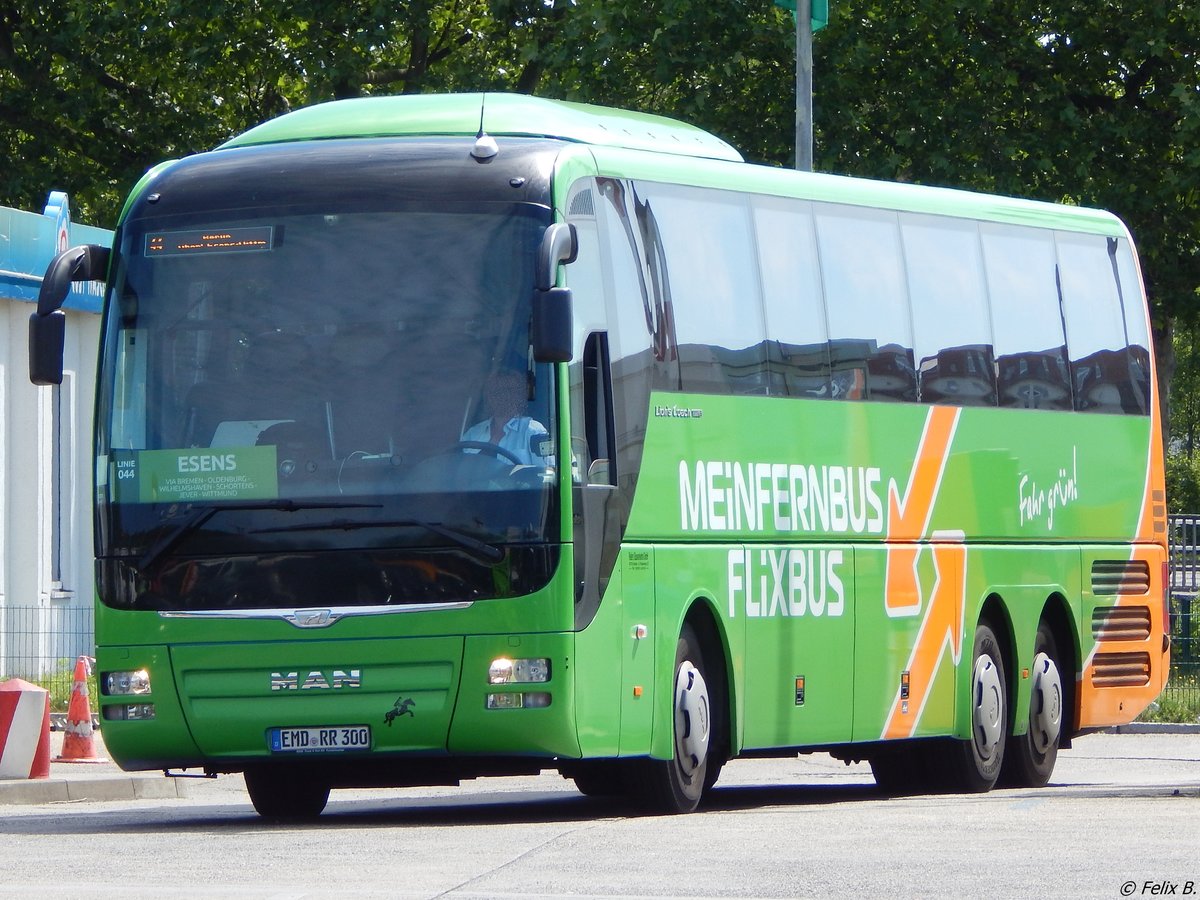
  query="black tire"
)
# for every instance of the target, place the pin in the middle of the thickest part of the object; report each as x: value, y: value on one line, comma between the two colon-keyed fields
x: 676, y: 785
x: 279, y: 792
x: 1029, y: 758
x: 973, y: 766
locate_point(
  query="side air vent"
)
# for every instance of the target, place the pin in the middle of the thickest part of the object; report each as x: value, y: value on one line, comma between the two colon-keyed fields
x: 581, y: 205
x: 1121, y: 623
x: 1120, y: 669
x: 1120, y: 576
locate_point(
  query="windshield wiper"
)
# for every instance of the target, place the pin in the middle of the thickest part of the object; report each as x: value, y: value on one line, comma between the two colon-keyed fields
x: 198, y: 516
x: 489, y: 552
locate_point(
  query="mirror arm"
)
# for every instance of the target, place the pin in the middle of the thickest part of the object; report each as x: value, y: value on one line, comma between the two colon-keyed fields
x: 559, y: 245
x: 47, y: 326
x: 86, y: 263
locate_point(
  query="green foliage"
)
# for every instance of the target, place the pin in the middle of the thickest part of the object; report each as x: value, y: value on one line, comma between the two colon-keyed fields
x: 1183, y: 483
x: 1185, y: 400
x: 1180, y: 701
x: 89, y: 115
x: 60, y: 684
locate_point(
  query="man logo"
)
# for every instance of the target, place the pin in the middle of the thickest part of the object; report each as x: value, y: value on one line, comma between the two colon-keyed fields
x: 313, y: 618
x: 338, y: 679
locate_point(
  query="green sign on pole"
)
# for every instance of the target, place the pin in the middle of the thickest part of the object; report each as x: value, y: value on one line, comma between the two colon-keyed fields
x: 820, y: 12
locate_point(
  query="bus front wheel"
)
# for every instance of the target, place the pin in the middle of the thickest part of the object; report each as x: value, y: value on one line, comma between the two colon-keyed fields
x: 675, y: 785
x: 1029, y: 758
x: 280, y: 792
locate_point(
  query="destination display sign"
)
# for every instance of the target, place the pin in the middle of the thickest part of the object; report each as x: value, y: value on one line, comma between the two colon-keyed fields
x: 254, y: 238
x: 190, y: 475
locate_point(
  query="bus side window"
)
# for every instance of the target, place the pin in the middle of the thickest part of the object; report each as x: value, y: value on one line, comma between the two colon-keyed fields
x: 601, y: 455
x: 798, y: 352
x: 866, y: 301
x: 1030, y: 346
x: 1137, y: 330
x: 1102, y: 367
x: 712, y: 285
x: 951, y: 326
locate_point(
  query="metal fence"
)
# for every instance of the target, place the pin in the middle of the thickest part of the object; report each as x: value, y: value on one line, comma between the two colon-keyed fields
x: 42, y: 643
x: 1183, y: 690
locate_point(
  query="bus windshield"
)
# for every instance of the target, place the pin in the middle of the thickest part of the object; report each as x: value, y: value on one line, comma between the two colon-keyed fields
x: 283, y: 382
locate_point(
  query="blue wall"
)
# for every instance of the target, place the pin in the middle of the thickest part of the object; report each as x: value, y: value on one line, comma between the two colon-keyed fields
x: 28, y: 241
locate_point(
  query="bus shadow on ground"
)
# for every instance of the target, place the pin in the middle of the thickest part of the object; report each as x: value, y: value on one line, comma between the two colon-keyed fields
x: 528, y: 808
x: 489, y: 808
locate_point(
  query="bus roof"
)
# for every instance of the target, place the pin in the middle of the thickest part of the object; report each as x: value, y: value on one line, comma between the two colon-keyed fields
x: 513, y: 115
x: 657, y: 144
x: 856, y: 191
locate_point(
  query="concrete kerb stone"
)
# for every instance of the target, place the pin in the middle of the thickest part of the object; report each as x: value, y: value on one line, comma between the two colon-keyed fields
x: 71, y: 782
x: 1156, y: 728
x: 74, y: 790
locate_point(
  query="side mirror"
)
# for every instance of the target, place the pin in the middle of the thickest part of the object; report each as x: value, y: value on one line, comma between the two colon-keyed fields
x: 47, y: 337
x: 552, y: 325
x: 47, y: 326
x: 552, y: 322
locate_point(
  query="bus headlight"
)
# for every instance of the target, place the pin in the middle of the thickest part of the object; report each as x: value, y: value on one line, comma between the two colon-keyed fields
x: 120, y: 684
x: 519, y: 671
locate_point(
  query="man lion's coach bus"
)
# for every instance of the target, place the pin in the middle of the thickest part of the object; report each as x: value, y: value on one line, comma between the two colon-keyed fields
x: 447, y: 436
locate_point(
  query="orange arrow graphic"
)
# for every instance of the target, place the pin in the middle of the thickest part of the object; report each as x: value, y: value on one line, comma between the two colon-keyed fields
x: 908, y: 519
x: 942, y: 626
x: 908, y: 523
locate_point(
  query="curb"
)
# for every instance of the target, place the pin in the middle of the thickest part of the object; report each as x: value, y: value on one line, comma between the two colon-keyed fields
x: 1155, y: 728
x: 67, y: 790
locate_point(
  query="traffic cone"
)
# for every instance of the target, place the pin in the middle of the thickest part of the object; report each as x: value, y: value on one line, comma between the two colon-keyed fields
x: 78, y: 743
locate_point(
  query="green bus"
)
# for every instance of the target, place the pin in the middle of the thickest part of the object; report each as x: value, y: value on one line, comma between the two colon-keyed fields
x: 449, y: 436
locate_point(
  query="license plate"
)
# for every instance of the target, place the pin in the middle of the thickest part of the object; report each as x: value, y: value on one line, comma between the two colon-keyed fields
x: 324, y: 739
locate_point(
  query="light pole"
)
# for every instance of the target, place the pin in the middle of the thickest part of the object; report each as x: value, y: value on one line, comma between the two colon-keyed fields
x: 804, y: 93
x: 811, y: 16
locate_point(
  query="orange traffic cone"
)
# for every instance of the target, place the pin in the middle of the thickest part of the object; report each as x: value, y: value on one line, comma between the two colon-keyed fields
x: 78, y: 743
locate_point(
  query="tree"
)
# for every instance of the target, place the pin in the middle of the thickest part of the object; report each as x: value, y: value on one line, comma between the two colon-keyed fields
x: 1094, y: 103
x: 90, y: 114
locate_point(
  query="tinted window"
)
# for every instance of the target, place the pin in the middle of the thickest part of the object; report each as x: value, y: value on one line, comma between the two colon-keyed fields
x: 951, y: 326
x: 1101, y: 365
x: 1136, y: 327
x: 642, y: 344
x: 869, y: 326
x: 586, y: 280
x: 798, y: 348
x: 713, y: 288
x: 1030, y: 348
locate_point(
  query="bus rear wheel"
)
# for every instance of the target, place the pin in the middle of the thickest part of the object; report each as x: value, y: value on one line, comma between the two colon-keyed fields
x: 280, y: 792
x: 1029, y: 758
x: 974, y: 765
x: 675, y: 785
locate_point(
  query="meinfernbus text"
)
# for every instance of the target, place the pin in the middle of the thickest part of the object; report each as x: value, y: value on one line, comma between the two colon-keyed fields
x: 449, y: 436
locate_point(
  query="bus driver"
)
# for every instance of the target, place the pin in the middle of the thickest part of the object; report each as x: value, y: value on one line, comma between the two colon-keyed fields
x: 507, y: 427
